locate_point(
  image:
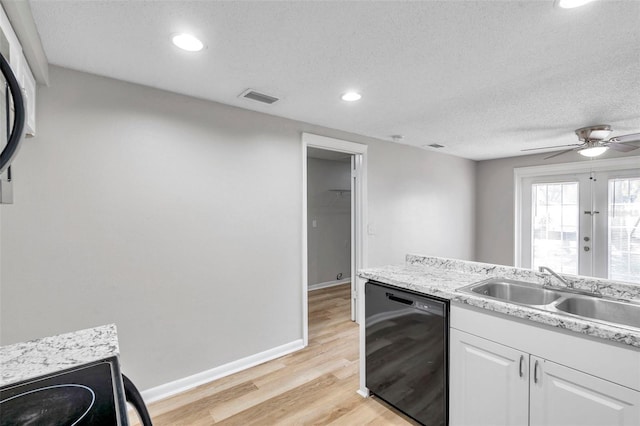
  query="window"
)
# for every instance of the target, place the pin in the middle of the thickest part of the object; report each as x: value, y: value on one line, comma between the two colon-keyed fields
x: 582, y: 223
x: 555, y: 226
x: 624, y: 229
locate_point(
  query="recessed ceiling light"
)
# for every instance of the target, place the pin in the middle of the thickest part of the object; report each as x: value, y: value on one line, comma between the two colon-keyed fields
x: 570, y: 4
x: 351, y: 96
x: 187, y: 42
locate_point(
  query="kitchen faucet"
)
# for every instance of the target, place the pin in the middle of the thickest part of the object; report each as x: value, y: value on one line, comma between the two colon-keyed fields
x: 547, y: 282
x: 569, y: 287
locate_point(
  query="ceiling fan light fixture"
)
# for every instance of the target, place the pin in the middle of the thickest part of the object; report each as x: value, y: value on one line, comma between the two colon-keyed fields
x: 599, y: 134
x: 571, y: 4
x: 594, y: 133
x: 593, y: 151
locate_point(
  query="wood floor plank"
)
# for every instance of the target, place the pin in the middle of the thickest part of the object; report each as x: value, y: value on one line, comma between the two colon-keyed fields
x: 209, y: 389
x: 198, y: 410
x: 313, y: 386
x: 341, y: 398
x: 276, y: 409
x: 273, y: 388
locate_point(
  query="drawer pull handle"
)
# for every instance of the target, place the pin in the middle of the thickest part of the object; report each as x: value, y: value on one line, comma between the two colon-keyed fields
x: 521, y: 362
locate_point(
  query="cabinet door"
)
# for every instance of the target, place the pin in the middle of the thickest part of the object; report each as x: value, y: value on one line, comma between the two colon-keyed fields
x: 489, y: 382
x: 28, y: 84
x: 563, y: 396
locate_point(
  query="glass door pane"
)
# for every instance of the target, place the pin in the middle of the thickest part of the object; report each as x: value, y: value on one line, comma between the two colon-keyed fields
x: 624, y: 229
x: 554, y: 227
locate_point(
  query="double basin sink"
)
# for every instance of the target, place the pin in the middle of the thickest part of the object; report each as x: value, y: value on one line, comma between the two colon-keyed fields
x: 569, y: 302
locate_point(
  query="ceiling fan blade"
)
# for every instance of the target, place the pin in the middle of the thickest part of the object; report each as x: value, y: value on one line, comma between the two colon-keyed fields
x: 634, y: 137
x: 549, y: 147
x: 621, y: 147
x: 558, y: 153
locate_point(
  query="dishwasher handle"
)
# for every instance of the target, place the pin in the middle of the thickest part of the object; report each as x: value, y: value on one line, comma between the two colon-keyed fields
x: 434, y: 307
x: 402, y: 300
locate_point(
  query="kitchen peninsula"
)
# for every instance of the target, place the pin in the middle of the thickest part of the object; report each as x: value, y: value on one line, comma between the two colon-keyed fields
x: 515, y: 363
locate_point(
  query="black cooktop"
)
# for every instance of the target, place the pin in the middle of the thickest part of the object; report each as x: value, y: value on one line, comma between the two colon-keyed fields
x: 79, y: 396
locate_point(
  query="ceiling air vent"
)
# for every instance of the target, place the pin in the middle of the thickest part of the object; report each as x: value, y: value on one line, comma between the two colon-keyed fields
x: 435, y: 145
x: 258, y: 97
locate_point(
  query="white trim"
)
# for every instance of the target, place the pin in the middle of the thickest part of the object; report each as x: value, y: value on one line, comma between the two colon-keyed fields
x: 579, y: 167
x: 363, y: 392
x: 362, y: 338
x: 324, y: 142
x: 360, y: 242
x: 353, y: 176
x: 305, y: 264
x: 187, y: 383
x: 520, y: 173
x: 517, y: 220
x: 328, y: 284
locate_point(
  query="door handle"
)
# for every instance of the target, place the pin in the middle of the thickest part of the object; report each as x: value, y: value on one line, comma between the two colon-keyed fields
x: 521, y: 372
x: 535, y: 372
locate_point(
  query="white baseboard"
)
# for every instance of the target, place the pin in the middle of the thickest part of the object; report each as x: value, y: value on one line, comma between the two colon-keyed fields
x: 326, y: 284
x: 186, y: 383
x: 363, y: 392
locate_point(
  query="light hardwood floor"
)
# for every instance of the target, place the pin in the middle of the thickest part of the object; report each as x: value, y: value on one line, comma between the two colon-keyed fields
x: 314, y: 386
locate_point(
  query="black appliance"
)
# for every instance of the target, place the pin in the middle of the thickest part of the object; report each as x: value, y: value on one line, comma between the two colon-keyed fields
x: 407, y: 351
x: 14, y: 112
x: 88, y: 395
x: 134, y: 398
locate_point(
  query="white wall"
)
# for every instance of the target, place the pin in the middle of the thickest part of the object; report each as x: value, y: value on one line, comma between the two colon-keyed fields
x: 180, y: 220
x: 495, y: 209
x: 419, y: 202
x: 329, y: 242
x: 175, y: 218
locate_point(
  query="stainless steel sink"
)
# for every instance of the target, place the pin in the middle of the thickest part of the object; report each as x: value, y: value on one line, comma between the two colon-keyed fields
x: 570, y: 302
x: 513, y: 291
x: 602, y: 309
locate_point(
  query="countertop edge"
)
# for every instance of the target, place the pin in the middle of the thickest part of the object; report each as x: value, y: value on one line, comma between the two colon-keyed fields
x: 591, y: 328
x: 47, y: 355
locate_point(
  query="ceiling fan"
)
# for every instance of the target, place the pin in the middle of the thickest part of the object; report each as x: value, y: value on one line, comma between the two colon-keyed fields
x: 593, y: 142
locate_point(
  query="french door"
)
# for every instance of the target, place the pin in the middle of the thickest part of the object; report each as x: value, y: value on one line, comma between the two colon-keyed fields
x: 585, y: 223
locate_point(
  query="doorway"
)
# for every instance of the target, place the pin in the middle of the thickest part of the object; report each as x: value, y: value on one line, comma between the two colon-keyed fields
x: 582, y: 223
x: 329, y: 200
x: 357, y: 156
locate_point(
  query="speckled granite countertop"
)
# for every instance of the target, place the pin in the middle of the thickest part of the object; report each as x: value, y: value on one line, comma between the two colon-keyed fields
x: 22, y: 361
x: 442, y: 277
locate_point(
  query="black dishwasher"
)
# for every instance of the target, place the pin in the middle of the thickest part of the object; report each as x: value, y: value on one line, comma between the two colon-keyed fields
x: 407, y: 351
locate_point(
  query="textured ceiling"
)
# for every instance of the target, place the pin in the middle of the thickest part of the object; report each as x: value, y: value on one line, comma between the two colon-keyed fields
x: 484, y: 78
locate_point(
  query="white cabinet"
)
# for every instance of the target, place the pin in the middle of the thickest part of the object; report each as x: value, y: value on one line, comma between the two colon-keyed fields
x: 489, y: 382
x: 493, y: 384
x: 11, y: 48
x: 509, y: 371
x: 12, y: 51
x: 28, y: 85
x: 564, y: 396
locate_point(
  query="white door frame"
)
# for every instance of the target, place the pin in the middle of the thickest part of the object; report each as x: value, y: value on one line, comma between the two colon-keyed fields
x: 521, y: 173
x: 358, y: 235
